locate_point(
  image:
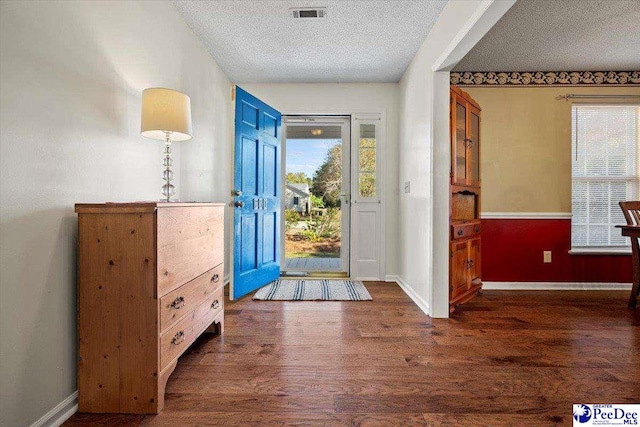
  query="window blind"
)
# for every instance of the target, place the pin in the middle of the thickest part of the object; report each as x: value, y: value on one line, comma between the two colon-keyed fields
x: 604, y: 172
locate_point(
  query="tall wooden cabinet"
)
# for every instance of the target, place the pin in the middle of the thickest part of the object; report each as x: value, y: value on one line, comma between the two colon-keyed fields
x: 150, y: 281
x: 464, y: 206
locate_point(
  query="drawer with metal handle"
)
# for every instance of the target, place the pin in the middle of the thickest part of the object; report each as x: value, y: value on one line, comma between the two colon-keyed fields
x: 208, y: 310
x: 175, y: 340
x: 462, y: 231
x: 181, y: 301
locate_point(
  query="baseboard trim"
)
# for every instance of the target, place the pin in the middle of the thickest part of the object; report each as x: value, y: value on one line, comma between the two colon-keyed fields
x: 60, y: 413
x: 422, y: 304
x: 366, y: 279
x: 556, y: 286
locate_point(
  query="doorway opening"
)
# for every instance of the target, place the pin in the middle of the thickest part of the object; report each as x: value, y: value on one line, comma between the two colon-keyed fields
x: 316, y: 200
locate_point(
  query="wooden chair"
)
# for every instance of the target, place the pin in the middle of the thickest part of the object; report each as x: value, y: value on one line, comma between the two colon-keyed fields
x: 631, y: 211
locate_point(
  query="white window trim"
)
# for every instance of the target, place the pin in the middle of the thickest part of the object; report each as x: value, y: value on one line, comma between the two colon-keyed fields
x: 611, y: 250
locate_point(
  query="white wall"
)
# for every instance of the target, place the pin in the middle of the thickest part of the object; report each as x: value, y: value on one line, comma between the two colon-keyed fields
x: 346, y: 98
x: 71, y: 77
x: 423, y: 217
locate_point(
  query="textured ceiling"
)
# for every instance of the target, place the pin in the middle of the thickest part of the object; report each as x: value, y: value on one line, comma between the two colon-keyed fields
x: 561, y: 35
x: 358, y: 41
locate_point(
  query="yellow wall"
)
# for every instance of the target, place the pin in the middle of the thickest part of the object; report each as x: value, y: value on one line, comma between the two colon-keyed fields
x: 526, y: 146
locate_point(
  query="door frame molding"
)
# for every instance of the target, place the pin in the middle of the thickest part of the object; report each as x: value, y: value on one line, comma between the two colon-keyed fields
x: 383, y: 172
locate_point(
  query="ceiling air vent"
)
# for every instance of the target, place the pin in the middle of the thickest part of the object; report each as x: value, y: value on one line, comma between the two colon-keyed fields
x: 309, y: 12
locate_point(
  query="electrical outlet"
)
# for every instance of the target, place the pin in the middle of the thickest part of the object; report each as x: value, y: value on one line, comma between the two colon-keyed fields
x: 546, y: 256
x: 407, y: 186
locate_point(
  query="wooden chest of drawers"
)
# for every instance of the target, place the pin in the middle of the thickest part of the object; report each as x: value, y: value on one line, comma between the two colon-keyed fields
x: 150, y: 281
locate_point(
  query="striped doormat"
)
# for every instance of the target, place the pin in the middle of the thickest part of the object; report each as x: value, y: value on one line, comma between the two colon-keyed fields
x: 313, y: 290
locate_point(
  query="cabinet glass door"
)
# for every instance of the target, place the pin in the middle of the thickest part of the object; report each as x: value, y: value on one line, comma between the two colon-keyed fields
x: 475, y: 147
x: 460, y: 166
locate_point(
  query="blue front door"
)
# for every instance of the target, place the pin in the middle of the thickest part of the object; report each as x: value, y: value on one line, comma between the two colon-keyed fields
x: 256, y: 219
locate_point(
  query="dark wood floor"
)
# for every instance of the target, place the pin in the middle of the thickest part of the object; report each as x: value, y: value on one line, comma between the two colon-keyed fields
x: 508, y: 358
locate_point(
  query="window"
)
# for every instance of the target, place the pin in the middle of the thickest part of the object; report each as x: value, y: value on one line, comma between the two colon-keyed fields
x: 605, y: 141
x: 367, y: 161
x: 296, y: 200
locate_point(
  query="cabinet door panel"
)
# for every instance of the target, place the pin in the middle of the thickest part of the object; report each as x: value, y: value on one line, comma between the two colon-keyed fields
x: 459, y: 272
x: 475, y: 261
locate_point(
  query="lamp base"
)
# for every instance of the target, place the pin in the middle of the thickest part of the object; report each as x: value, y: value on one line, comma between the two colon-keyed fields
x: 168, y: 189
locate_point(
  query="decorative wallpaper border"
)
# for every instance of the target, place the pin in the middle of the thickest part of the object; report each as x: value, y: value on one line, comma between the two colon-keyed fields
x: 546, y: 78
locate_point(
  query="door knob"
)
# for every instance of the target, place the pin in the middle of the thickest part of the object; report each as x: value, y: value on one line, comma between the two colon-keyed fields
x: 236, y: 193
x: 238, y: 204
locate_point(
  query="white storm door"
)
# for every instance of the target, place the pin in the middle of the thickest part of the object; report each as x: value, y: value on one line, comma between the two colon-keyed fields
x: 293, y: 126
x: 367, y: 196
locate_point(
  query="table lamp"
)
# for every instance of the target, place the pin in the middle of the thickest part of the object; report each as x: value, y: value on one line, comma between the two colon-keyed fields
x: 166, y: 116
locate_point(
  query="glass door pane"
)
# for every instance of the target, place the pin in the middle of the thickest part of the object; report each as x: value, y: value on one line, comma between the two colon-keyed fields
x: 313, y: 196
x: 475, y: 147
x: 460, y: 171
x: 367, y: 161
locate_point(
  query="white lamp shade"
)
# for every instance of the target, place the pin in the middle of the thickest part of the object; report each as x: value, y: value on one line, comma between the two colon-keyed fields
x: 166, y: 110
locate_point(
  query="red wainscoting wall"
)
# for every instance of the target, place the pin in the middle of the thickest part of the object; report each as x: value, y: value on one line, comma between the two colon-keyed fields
x: 512, y: 251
